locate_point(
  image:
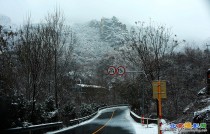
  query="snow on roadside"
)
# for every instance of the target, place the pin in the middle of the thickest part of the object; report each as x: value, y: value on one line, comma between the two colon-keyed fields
x: 150, y: 129
x: 138, y: 128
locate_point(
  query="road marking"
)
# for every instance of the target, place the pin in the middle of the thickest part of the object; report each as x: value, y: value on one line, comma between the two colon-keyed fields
x: 104, y: 124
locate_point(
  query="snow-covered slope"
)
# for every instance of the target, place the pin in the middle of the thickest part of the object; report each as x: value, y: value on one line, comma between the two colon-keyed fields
x: 89, y: 45
x: 97, y: 38
x: 8, y: 32
x: 4, y: 20
x: 7, y: 24
x: 93, y: 46
x: 200, y: 105
x: 89, y: 49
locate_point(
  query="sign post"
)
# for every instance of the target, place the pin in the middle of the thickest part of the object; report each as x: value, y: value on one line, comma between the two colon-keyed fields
x: 159, y: 92
x: 159, y: 108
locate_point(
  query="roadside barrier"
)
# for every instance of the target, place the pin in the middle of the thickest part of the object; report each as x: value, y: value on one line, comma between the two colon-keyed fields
x: 43, y: 128
x: 145, y: 120
x: 36, y: 129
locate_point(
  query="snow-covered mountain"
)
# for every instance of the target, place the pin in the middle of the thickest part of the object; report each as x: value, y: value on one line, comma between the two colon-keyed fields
x: 113, y: 31
x: 5, y: 20
x: 7, y: 30
x: 97, y: 40
x: 89, y: 45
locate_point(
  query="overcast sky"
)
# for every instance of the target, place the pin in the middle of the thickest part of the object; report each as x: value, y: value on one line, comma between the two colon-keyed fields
x: 189, y: 19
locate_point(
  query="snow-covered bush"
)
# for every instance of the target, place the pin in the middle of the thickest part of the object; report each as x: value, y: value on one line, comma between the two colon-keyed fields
x: 85, y: 109
x: 50, y: 104
x: 94, y: 107
x: 13, y: 110
x: 50, y: 113
x: 68, y: 112
x: 38, y: 114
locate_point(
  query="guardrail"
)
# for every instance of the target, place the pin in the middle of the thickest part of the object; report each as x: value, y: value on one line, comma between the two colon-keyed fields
x: 43, y: 128
x: 77, y: 121
x: 113, y: 106
x: 38, y: 129
x: 139, y: 119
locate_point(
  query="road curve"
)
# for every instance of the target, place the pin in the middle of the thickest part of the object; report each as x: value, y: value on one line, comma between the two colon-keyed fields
x: 109, y: 121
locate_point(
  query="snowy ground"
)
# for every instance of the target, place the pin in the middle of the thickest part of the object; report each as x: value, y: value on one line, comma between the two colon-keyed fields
x: 147, y: 129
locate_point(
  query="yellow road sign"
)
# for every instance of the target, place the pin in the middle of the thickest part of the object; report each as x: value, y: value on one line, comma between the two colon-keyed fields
x: 162, y: 88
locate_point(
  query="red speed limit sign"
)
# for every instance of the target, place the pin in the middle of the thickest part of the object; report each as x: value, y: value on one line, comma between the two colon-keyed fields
x: 112, y: 70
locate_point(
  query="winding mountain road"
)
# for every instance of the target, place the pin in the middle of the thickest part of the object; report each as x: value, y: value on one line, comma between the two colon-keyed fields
x: 108, y: 121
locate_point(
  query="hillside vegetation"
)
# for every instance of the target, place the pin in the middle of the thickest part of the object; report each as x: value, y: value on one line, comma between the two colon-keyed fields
x: 42, y: 64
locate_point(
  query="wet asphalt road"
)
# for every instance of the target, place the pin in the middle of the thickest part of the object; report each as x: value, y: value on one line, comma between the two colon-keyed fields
x: 110, y: 121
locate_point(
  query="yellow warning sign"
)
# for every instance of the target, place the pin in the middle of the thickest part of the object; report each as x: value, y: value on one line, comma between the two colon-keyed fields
x: 162, y: 89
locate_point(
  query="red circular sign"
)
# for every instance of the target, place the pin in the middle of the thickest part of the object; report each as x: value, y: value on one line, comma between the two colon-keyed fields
x: 121, y: 70
x: 112, y: 70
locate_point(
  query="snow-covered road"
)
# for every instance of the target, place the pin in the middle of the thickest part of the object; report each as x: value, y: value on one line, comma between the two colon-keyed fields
x: 113, y: 121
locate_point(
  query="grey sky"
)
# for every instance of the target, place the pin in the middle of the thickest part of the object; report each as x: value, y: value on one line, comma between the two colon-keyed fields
x: 189, y: 19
